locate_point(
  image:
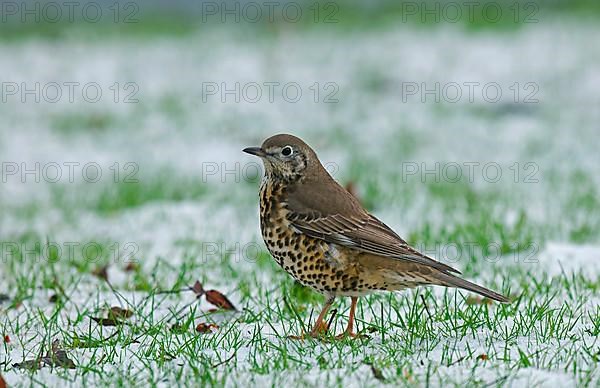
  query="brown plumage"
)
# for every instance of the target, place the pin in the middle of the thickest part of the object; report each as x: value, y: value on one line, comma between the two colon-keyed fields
x: 320, y: 234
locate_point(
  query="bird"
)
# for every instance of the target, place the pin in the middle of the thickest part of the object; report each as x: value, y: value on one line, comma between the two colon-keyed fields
x: 322, y: 236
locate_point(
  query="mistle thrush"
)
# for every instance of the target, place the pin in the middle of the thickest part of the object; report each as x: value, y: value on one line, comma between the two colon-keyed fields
x: 320, y: 234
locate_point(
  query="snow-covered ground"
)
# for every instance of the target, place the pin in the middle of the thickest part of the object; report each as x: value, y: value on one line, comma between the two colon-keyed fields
x: 178, y: 193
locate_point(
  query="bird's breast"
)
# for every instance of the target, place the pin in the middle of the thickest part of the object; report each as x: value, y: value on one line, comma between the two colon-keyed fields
x: 326, y: 267
x: 274, y: 225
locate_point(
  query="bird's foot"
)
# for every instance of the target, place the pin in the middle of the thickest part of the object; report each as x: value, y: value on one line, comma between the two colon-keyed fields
x: 350, y: 334
x: 318, y: 331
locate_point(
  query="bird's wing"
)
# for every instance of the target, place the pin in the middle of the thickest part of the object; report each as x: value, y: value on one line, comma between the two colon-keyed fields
x: 353, y: 227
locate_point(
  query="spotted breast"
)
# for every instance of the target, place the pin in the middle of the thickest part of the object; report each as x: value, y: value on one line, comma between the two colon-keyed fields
x: 328, y: 268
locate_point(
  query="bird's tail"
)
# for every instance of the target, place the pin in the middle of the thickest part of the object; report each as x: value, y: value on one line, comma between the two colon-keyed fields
x: 453, y: 281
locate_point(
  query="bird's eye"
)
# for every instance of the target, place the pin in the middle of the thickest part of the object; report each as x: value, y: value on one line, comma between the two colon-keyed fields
x: 286, y: 151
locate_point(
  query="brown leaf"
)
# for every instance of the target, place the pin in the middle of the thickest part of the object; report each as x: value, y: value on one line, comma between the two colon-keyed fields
x: 377, y: 373
x: 177, y: 328
x: 116, y: 316
x: 216, y: 298
x: 483, y: 357
x: 6, y: 339
x: 28, y: 364
x: 101, y: 272
x: 58, y: 357
x: 107, y: 321
x: 55, y: 357
x: 119, y: 313
x: 61, y: 358
x: 2, y: 382
x: 472, y: 300
x: 206, y: 328
x: 198, y: 289
x: 132, y: 267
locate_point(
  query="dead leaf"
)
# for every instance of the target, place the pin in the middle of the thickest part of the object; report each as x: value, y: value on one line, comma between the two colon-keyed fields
x: 472, y: 300
x: 28, y: 364
x: 6, y: 339
x: 108, y: 321
x: 116, y: 316
x: 55, y: 357
x: 119, y: 313
x: 218, y: 299
x: 206, y: 328
x: 58, y: 357
x: 101, y: 272
x: 377, y: 373
x: 178, y: 328
x: 483, y: 357
x: 198, y: 289
x: 132, y: 267
x: 2, y: 382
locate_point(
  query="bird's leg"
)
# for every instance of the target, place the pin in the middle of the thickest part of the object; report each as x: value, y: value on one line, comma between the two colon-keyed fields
x: 350, y: 329
x: 320, y: 326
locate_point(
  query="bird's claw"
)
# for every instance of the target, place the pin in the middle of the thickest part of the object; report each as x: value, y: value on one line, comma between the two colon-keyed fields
x: 317, y: 332
x: 352, y: 335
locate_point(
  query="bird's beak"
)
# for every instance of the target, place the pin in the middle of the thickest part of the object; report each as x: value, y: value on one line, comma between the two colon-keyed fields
x: 257, y: 151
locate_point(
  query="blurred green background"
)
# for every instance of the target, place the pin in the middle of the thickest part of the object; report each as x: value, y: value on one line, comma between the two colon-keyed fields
x: 180, y: 17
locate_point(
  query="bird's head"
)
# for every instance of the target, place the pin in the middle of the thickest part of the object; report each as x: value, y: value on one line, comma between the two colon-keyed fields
x: 285, y: 157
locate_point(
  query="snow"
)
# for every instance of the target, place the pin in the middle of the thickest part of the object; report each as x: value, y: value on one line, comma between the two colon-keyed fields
x: 369, y: 123
x: 558, y: 258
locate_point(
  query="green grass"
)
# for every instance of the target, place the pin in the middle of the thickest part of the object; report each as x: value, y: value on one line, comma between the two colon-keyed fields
x: 150, y: 23
x: 129, y: 192
x: 146, y: 27
x: 70, y: 124
x: 413, y: 337
x: 438, y: 331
